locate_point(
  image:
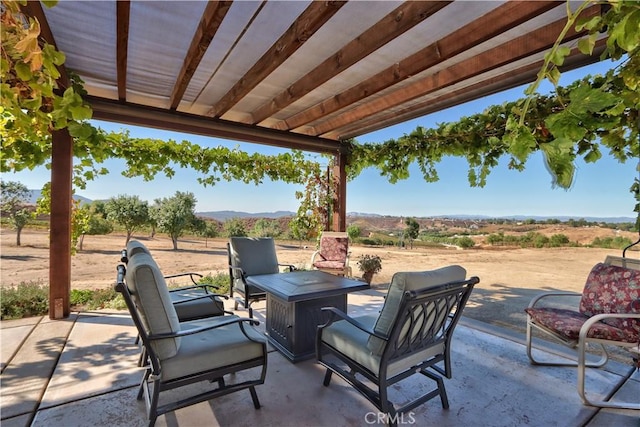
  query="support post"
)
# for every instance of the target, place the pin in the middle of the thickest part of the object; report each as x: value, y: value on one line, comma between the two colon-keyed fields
x: 60, y: 225
x: 340, y: 202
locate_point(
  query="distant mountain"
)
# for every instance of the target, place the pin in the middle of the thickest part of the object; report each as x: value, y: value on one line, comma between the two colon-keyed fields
x: 225, y: 215
x: 34, y: 195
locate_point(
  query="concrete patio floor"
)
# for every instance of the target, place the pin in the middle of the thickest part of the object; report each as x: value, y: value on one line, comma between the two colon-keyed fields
x: 82, y: 371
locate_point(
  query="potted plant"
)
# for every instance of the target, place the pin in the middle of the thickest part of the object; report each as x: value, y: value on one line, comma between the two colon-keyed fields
x: 369, y: 265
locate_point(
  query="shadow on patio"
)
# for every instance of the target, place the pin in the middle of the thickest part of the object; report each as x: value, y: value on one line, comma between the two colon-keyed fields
x: 82, y: 371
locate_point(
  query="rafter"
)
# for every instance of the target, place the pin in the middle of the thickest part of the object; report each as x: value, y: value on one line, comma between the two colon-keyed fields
x: 123, y: 10
x: 394, y: 24
x: 517, y: 77
x: 534, y: 42
x: 484, y: 28
x: 211, y: 19
x: 310, y: 21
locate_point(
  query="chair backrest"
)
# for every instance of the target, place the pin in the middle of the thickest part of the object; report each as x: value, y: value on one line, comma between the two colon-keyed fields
x: 612, y: 289
x: 135, y: 246
x: 401, y: 284
x: 334, y: 246
x: 253, y: 255
x: 147, y: 286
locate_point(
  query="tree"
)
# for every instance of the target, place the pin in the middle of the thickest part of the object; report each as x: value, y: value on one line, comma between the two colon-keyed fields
x: 303, y: 227
x: 14, y: 198
x: 353, y: 231
x: 266, y: 228
x: 411, y: 231
x: 207, y: 229
x: 94, y: 221
x: 175, y: 215
x: 130, y: 212
x: 234, y: 227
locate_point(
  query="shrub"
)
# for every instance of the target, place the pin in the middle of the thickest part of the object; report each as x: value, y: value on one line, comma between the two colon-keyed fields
x: 220, y: 281
x: 465, y: 242
x: 32, y: 299
x: 24, y: 300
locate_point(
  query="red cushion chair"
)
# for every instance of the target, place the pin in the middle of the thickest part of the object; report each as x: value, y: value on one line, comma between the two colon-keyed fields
x: 608, y: 313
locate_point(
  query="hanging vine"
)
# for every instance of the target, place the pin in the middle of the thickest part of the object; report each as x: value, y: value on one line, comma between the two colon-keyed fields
x: 591, y: 115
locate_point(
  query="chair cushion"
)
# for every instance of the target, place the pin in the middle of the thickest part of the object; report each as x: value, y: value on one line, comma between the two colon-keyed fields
x: 337, y: 265
x: 212, y: 349
x: 612, y: 289
x: 354, y: 343
x: 147, y: 285
x: 134, y: 247
x: 254, y: 255
x: 409, y: 281
x: 567, y: 323
x: 334, y: 248
x: 195, y: 308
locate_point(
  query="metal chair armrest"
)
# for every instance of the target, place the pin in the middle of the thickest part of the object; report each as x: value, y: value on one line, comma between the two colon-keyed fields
x: 190, y: 274
x: 538, y: 298
x: 205, y: 287
x: 229, y: 321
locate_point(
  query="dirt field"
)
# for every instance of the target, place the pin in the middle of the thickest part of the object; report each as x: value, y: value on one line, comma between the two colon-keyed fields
x: 509, y: 278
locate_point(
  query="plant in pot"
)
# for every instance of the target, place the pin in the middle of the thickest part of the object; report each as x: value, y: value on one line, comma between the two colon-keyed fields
x: 369, y: 265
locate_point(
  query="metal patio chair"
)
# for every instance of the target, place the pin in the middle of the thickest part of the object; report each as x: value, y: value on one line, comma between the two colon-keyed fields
x: 205, y: 351
x: 249, y: 256
x: 333, y: 254
x: 412, y: 334
x: 606, y: 313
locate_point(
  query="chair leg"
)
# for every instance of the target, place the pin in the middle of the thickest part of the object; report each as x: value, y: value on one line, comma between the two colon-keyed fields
x: 581, y: 386
x: 327, y: 378
x: 254, y: 397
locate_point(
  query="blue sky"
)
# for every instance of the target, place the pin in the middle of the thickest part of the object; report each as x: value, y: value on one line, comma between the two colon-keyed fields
x: 599, y: 190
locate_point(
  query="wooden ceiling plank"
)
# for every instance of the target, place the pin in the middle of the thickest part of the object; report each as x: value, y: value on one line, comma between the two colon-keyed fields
x: 533, y: 42
x: 212, y: 17
x: 123, y: 13
x: 310, y: 21
x: 517, y: 77
x: 34, y: 10
x: 484, y: 28
x: 394, y: 24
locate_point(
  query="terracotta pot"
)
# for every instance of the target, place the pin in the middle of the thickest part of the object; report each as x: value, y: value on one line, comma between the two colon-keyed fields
x: 368, y: 276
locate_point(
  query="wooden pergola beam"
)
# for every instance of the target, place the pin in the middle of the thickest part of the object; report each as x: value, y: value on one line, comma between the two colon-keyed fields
x: 310, y: 21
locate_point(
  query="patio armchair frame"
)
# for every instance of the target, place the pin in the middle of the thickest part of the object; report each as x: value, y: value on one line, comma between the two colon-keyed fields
x: 250, y: 293
x: 397, y: 359
x: 588, y: 334
x: 153, y: 384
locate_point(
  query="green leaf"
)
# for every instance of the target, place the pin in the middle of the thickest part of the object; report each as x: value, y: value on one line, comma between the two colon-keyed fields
x: 588, y: 99
x: 23, y: 71
x: 565, y: 125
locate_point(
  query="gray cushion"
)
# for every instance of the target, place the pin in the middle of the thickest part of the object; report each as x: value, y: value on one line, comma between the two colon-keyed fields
x: 212, y: 349
x: 195, y: 306
x: 134, y: 247
x: 146, y: 283
x: 353, y: 343
x: 253, y: 256
x: 409, y: 281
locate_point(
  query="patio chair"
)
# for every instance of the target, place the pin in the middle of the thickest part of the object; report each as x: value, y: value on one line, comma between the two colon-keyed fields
x: 193, y: 302
x: 250, y: 256
x: 333, y: 254
x: 412, y: 334
x: 180, y: 354
x: 608, y: 314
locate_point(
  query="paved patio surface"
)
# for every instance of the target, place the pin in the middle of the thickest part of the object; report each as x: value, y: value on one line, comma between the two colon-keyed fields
x: 82, y: 371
